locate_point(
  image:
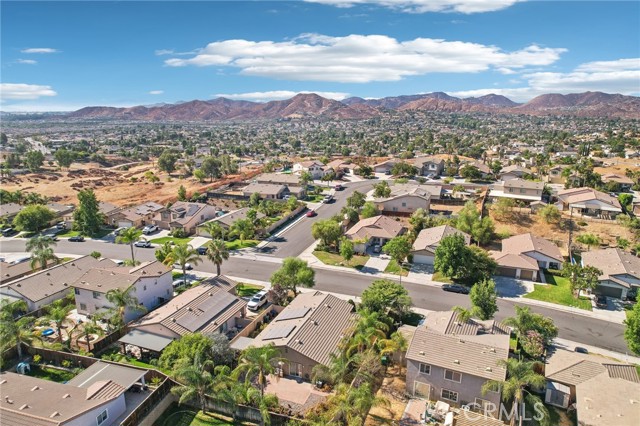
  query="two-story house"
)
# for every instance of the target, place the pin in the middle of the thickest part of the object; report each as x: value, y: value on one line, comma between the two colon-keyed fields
x: 185, y: 216
x: 377, y: 230
x: 314, y: 167
x: 450, y: 360
x: 429, y: 165
x: 522, y: 190
x: 137, y: 216
x: 406, y: 199
x: 150, y: 284
x: 514, y: 172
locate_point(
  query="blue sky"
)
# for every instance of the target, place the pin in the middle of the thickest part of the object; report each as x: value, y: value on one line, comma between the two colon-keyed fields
x: 66, y: 55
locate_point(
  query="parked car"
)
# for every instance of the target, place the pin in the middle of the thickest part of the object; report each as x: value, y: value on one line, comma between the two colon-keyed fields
x: 7, y: 232
x: 118, y: 231
x: 181, y: 282
x: 187, y: 266
x: 286, y: 197
x: 258, y: 300
x: 377, y: 248
x: 76, y: 239
x: 149, y: 229
x: 142, y: 243
x: 455, y: 288
x: 601, y: 301
x: 61, y: 225
x: 327, y: 199
x: 339, y: 187
x: 581, y: 350
x: 202, y: 250
x: 388, y: 172
x: 311, y: 213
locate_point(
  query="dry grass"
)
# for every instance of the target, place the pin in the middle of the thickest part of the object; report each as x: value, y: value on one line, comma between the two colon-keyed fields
x: 392, y: 387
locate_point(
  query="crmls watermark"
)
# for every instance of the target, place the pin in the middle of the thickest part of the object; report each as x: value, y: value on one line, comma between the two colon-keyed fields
x: 475, y: 411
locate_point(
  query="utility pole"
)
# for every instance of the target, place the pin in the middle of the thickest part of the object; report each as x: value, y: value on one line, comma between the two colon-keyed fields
x: 570, y: 233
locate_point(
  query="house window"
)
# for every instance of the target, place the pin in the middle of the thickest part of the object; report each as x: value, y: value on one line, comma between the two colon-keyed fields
x: 404, y: 204
x: 83, y: 307
x: 510, y: 189
x: 452, y: 376
x: 76, y: 290
x: 495, y: 388
x: 523, y: 191
x: 483, y: 404
x: 102, y: 417
x: 450, y: 395
x: 144, y: 288
x: 425, y: 368
x: 96, y: 295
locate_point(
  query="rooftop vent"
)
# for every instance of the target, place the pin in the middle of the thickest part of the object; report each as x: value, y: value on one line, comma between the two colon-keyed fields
x: 25, y: 406
x: 456, y: 361
x: 47, y: 274
x: 488, y: 369
x: 55, y: 414
x: 3, y: 381
x: 173, y: 320
x: 7, y: 400
x: 189, y: 309
x: 492, y: 350
x: 421, y: 352
x: 65, y: 396
x: 35, y: 388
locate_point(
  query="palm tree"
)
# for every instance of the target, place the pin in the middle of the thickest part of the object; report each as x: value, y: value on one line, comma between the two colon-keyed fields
x: 369, y: 328
x: 396, y: 343
x: 217, y: 253
x: 215, y: 230
x: 14, y: 331
x: 520, y: 375
x: 123, y: 300
x: 129, y: 236
x: 350, y: 405
x: 88, y: 329
x: 41, y: 251
x: 182, y: 254
x: 257, y: 363
x: 464, y: 314
x: 163, y: 251
x: 337, y: 371
x: 57, y: 314
x: 588, y: 240
x: 39, y: 242
x: 196, y: 382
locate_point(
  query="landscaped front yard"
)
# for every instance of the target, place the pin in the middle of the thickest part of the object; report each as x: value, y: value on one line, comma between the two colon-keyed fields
x: 182, y: 415
x: 334, y: 259
x: 237, y: 244
x: 163, y: 240
x: 247, y: 290
x: 66, y: 233
x: 558, y: 290
x: 394, y: 268
x: 437, y: 276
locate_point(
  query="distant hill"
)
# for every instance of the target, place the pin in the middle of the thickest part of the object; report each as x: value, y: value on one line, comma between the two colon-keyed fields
x: 588, y: 104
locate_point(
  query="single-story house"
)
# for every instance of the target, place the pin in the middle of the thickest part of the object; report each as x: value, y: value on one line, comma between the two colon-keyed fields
x: 340, y: 167
x: 603, y: 392
x: 226, y: 220
x: 428, y: 240
x: 266, y: 190
x: 43, y: 287
x: 377, y: 230
x: 137, y: 216
x: 288, y: 179
x: 184, y: 215
x: 406, y: 199
x: 9, y: 210
x: 385, y: 166
x: 211, y: 307
x: 450, y: 360
x: 518, y: 189
x: 315, y: 168
x: 307, y: 332
x: 523, y: 256
x: 514, y: 172
x: 590, y: 202
x: 13, y: 270
x: 62, y: 211
x: 620, y: 271
x: 151, y: 283
x: 625, y: 182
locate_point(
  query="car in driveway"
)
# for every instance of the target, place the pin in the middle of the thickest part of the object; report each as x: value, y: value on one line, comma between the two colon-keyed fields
x: 456, y: 288
x: 311, y: 213
x: 202, y: 250
x: 8, y: 232
x: 142, y: 243
x: 187, y: 266
x: 181, y: 282
x: 258, y: 300
x: 76, y: 239
x: 601, y: 301
x: 377, y: 248
x: 149, y: 229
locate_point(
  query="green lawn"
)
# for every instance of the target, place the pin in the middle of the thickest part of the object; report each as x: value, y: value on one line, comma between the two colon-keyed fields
x: 334, y: 259
x: 177, y: 415
x: 247, y: 290
x: 70, y: 233
x: 314, y: 198
x: 237, y: 244
x: 163, y: 240
x: 394, y: 268
x: 437, y: 276
x: 51, y: 374
x: 558, y: 291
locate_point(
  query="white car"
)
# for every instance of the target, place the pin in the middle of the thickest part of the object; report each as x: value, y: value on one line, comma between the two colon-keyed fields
x: 258, y: 300
x: 181, y: 282
x: 187, y: 266
x: 149, y: 229
x: 142, y: 243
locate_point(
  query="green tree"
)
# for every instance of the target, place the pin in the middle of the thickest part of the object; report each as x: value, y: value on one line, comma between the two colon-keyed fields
x: 395, y: 344
x: 196, y: 382
x: 503, y: 208
x: 550, y: 214
x: 381, y: 189
x: 451, y: 255
x: 356, y: 200
x: 181, y: 254
x: 625, y: 201
x: 95, y: 254
x: 350, y: 405
x: 305, y: 178
x: 402, y: 168
x: 123, y: 300
x: 255, y: 364
x: 632, y: 330
x: 215, y: 230
x: 15, y: 331
x: 588, y: 240
x: 89, y: 329
x: 254, y: 199
x: 187, y: 349
x: 163, y: 251
x: 467, y: 217
x: 243, y: 228
x: 350, y: 214
x: 294, y: 272
x: 182, y: 193
x: 41, y: 251
x: 521, y: 375
x: 327, y: 231
x: 199, y: 174
x: 211, y: 167
x: 64, y: 158
x: 470, y: 172
x: 398, y: 248
x: 386, y: 296
x: 370, y: 328
x: 129, y: 236
x: 369, y: 210
x: 483, y: 297
x: 87, y: 218
x: 419, y: 220
x: 483, y: 230
x: 346, y: 249
x: 217, y: 253
x: 57, y: 313
x: 33, y: 218
x: 525, y: 321
x: 581, y: 278
x: 167, y: 161
x: 33, y: 160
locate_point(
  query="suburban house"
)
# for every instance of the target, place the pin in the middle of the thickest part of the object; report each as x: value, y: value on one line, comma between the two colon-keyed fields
x: 514, y: 172
x: 624, y: 182
x: 17, y: 269
x: 450, y: 360
x: 428, y: 240
x: 429, y: 165
x: 377, y: 230
x: 339, y: 167
x: 62, y: 211
x: 307, y: 332
x: 385, y: 166
x: 554, y: 174
x: 267, y: 191
x: 406, y: 199
x: 97, y: 396
x: 151, y: 283
x: 184, y: 215
x: 314, y: 167
x: 9, y: 210
x: 137, y: 216
x: 620, y: 271
x: 518, y: 189
x: 226, y: 220
x: 43, y: 287
x: 523, y: 256
x: 588, y: 201
x: 108, y: 211
x: 287, y: 179
x: 211, y: 307
x: 603, y: 392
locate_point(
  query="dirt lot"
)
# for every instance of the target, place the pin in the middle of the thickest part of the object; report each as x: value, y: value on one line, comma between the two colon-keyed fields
x: 120, y: 187
x: 617, y: 165
x: 393, y: 388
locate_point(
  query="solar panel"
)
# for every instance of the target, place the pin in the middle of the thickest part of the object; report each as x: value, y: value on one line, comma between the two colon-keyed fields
x: 278, y: 332
x: 293, y: 314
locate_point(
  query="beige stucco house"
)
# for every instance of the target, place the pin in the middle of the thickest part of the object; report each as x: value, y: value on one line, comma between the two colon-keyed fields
x: 428, y: 240
x: 377, y: 230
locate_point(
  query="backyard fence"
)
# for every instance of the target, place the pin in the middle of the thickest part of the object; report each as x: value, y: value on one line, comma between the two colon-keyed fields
x: 154, y: 398
x: 243, y: 413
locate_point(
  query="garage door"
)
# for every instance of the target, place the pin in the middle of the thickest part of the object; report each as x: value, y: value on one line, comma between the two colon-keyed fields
x: 423, y: 259
x: 526, y: 275
x: 421, y: 390
x: 609, y: 291
x: 507, y: 272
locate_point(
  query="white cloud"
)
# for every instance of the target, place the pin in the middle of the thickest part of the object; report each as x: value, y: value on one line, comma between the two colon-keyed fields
x: 423, y: 6
x: 24, y: 91
x: 161, y: 52
x: 27, y: 61
x: 362, y: 58
x: 621, y: 76
x: 276, y: 95
x: 40, y: 50
x: 156, y: 92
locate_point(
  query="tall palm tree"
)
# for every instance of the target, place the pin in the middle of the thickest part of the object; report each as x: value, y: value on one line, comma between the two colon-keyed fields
x: 14, y: 331
x: 520, y: 376
x: 257, y: 363
x: 41, y: 251
x: 217, y: 253
x: 337, y: 371
x: 182, y: 254
x: 57, y: 314
x: 215, y: 230
x: 129, y: 236
x: 39, y: 242
x: 195, y: 384
x: 396, y: 343
x: 350, y: 405
x: 123, y: 300
x: 88, y: 329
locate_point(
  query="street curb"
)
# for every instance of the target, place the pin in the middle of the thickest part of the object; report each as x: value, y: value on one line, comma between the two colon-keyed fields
x: 557, y: 307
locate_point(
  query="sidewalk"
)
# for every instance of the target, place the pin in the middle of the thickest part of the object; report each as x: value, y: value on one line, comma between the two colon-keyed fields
x: 610, y: 316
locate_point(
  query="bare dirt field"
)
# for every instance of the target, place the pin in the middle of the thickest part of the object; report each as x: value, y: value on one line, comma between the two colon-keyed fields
x: 119, y: 187
x: 617, y: 165
x: 393, y: 389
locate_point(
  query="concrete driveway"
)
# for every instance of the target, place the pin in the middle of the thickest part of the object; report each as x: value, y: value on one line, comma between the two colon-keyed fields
x: 511, y: 287
x: 376, y: 263
x: 613, y: 311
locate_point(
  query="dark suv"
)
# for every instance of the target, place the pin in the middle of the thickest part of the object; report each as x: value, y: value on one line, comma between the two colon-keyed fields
x: 601, y: 301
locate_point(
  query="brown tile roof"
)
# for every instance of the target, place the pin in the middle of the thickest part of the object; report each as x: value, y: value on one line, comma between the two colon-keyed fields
x: 522, y: 183
x: 105, y: 279
x: 9, y: 209
x: 279, y: 178
x: 403, y: 190
x: 612, y: 177
x: 229, y: 218
x: 377, y: 226
x: 571, y: 368
x: 515, y: 168
x: 12, y: 271
x: 579, y: 195
x: 264, y: 188
x: 429, y: 239
x: 518, y: 261
x: 102, y: 372
x: 625, y: 372
x: 528, y: 242
x: 613, y: 261
x: 606, y: 401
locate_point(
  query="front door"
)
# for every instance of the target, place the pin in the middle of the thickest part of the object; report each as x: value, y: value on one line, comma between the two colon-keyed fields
x: 295, y: 369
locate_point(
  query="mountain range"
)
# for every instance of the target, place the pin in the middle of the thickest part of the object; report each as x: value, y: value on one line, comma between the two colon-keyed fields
x: 308, y: 105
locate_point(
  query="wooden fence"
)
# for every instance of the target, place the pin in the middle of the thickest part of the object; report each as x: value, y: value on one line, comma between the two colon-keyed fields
x: 243, y: 413
x: 256, y: 322
x: 285, y: 219
x: 154, y: 398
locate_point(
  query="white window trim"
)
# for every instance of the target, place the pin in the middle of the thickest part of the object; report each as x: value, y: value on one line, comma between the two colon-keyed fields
x: 420, y: 368
x: 448, y: 399
x: 451, y: 380
x: 106, y: 411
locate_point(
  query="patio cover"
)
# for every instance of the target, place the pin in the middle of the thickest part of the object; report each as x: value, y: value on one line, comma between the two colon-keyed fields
x: 145, y: 340
x: 241, y: 343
